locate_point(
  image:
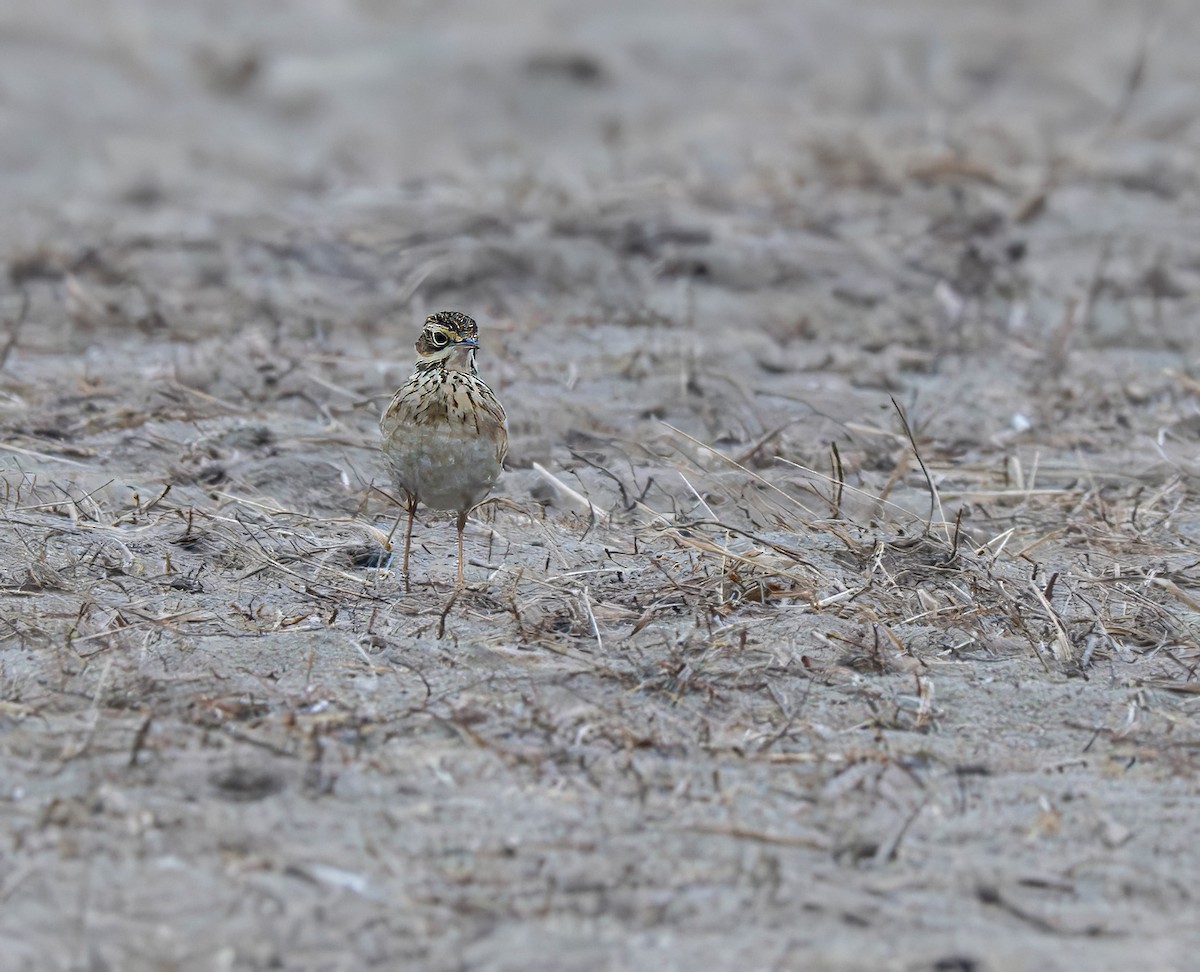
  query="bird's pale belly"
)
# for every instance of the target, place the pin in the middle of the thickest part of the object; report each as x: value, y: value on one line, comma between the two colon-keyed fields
x: 446, y: 468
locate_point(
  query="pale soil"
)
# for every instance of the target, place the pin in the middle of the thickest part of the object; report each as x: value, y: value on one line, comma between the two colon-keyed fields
x: 720, y: 720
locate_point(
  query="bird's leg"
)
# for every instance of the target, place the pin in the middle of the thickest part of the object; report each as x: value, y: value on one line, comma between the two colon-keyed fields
x: 462, y: 522
x: 412, y: 512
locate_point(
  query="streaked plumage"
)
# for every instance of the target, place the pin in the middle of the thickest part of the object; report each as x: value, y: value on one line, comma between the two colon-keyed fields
x: 444, y: 434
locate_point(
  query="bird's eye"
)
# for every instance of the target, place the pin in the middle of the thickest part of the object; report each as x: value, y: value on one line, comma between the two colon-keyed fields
x: 438, y: 339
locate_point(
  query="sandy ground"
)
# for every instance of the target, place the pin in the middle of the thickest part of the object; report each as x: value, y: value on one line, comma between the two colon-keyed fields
x: 839, y: 607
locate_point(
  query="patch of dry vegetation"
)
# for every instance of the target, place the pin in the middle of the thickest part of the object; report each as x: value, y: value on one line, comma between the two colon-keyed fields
x: 843, y: 587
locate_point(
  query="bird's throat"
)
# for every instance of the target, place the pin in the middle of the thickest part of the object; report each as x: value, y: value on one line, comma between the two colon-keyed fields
x: 458, y: 359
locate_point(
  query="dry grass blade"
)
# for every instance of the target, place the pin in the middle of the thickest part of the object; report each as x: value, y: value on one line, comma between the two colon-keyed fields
x: 14, y: 329
x: 935, y: 502
x: 572, y: 496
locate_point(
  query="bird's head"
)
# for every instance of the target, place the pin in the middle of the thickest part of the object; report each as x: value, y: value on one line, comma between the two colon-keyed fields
x: 448, y: 339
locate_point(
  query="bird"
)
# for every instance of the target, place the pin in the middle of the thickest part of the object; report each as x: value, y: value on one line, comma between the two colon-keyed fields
x: 445, y: 433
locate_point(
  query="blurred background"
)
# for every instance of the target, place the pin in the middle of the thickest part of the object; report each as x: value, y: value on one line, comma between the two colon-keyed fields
x: 868, y: 189
x: 225, y: 105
